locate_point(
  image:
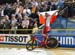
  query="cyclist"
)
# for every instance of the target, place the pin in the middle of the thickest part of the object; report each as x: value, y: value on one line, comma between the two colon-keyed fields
x: 46, y: 28
x: 49, y: 19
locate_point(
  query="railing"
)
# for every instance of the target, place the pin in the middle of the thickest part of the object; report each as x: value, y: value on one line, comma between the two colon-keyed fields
x: 73, y: 29
x: 29, y: 31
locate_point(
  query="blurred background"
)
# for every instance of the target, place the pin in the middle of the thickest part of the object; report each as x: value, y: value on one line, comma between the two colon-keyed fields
x: 21, y: 16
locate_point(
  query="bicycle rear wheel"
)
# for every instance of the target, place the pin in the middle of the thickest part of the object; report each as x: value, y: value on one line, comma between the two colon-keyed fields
x: 52, y: 43
x: 31, y: 45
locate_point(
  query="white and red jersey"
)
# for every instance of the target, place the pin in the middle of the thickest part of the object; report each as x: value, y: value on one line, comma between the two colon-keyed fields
x: 52, y: 15
x: 47, y: 25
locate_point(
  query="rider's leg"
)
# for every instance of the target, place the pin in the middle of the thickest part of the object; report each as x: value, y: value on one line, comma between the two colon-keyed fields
x: 44, y: 40
x: 45, y: 34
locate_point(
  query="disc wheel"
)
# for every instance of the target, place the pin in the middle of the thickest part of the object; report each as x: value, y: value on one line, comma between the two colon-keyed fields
x: 52, y: 43
x: 31, y: 45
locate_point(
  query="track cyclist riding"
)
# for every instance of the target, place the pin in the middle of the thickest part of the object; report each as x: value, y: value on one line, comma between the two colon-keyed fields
x: 46, y: 41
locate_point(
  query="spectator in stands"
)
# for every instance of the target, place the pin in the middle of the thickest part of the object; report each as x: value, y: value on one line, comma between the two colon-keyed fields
x: 19, y: 21
x: 60, y: 3
x: 18, y: 2
x: 35, y: 28
x: 17, y: 10
x: 34, y: 12
x: 25, y: 22
x: 5, y: 22
x: 34, y: 2
x: 13, y: 24
x: 26, y: 11
x: 2, y: 12
x: 53, y: 5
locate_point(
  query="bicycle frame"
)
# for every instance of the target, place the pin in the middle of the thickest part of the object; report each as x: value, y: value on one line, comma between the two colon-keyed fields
x: 34, y: 38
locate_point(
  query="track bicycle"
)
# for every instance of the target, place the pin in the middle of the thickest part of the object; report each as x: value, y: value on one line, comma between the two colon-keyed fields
x: 49, y: 43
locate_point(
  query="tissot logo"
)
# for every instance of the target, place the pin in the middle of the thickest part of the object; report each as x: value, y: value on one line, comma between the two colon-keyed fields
x: 16, y: 39
x: 1, y: 38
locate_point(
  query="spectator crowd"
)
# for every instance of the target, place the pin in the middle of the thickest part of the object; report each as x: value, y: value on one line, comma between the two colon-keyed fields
x: 20, y: 18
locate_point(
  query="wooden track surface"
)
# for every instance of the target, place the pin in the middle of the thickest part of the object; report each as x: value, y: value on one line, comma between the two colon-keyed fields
x: 56, y: 51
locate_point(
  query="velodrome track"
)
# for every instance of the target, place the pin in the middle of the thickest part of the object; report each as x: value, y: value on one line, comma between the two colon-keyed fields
x: 21, y: 50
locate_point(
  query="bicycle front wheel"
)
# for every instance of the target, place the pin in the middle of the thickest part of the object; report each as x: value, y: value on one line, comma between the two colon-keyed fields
x: 31, y: 45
